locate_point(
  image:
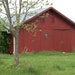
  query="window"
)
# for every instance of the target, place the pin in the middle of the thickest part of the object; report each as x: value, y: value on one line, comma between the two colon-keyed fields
x: 46, y: 35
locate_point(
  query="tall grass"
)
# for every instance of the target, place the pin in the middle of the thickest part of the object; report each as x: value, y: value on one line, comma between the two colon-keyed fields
x: 42, y: 63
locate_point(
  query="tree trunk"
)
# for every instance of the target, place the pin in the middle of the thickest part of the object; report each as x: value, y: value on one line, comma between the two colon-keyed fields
x: 16, y: 54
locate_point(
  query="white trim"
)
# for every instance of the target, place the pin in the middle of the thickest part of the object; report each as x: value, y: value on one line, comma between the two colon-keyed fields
x: 13, y: 45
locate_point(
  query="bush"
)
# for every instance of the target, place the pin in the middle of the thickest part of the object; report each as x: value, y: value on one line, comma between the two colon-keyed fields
x: 4, y: 42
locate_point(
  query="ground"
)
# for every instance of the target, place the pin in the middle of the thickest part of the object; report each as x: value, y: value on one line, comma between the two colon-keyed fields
x: 43, y: 63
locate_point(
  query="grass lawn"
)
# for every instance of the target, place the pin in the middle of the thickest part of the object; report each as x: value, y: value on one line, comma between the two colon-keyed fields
x: 43, y: 63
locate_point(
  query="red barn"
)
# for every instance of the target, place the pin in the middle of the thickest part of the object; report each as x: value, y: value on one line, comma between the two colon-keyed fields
x: 55, y: 32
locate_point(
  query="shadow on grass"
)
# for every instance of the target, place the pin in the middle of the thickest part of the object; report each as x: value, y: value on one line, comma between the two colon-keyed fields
x: 58, y: 67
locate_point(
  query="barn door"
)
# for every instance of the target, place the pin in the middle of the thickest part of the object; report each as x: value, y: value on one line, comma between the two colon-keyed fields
x: 62, y: 40
x: 41, y: 41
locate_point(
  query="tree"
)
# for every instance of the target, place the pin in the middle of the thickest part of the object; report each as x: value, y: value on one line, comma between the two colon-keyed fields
x: 14, y: 9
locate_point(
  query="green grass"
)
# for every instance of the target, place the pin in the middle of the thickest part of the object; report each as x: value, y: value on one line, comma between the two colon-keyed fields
x: 42, y: 63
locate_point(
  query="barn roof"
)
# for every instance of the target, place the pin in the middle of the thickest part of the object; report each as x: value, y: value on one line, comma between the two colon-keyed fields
x: 54, y: 11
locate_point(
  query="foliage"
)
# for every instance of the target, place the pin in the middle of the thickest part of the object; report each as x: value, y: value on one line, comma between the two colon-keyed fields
x: 29, y: 27
x: 4, y: 42
x: 44, y: 15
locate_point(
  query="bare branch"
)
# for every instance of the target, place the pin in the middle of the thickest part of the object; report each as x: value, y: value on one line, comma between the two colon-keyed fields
x: 20, y: 3
x: 26, y: 11
x: 3, y: 13
x: 6, y: 6
x: 16, y: 10
x: 27, y: 8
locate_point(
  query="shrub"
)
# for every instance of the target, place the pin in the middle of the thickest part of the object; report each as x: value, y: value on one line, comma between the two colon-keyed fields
x: 4, y: 42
